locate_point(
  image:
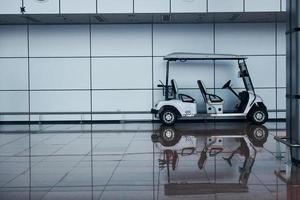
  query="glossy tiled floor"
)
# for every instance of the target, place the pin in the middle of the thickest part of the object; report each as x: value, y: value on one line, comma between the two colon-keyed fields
x: 144, y: 161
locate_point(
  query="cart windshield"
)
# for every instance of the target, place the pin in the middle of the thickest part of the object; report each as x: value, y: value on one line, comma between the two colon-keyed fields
x: 244, y: 74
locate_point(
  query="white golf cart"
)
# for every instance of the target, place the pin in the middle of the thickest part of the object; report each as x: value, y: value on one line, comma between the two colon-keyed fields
x: 177, y: 106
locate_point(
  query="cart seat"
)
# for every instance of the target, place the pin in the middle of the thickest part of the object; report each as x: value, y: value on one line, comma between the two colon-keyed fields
x: 182, y: 97
x: 208, y: 98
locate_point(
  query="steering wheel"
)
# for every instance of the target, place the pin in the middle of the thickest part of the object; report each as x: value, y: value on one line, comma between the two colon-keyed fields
x: 227, y: 84
x: 161, y: 83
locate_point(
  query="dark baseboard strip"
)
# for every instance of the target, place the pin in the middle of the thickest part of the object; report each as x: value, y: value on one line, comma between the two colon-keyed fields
x: 126, y: 121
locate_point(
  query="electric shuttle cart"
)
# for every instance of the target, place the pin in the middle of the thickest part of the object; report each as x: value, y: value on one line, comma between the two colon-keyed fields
x: 181, y: 106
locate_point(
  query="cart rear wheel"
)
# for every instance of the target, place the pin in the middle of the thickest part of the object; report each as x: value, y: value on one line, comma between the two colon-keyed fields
x: 259, y: 116
x: 168, y: 116
x: 257, y: 135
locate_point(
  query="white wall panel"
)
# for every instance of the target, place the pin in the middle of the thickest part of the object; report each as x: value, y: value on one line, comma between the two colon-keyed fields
x: 182, y: 6
x: 41, y: 7
x: 228, y: 70
x: 281, y: 38
x: 281, y: 115
x: 158, y: 95
x: 60, y: 101
x: 121, y: 40
x: 122, y: 100
x: 122, y: 73
x: 60, y: 117
x: 281, y: 99
x: 60, y: 73
x: 116, y: 71
x: 262, y: 5
x: 115, y: 6
x: 262, y: 70
x: 13, y: 101
x: 14, y: 74
x: 153, y: 6
x: 78, y: 6
x: 251, y: 39
x: 185, y: 74
x: 59, y: 40
x: 169, y: 38
x: 258, y: 67
x: 13, y: 41
x: 281, y: 71
x: 123, y: 117
x: 14, y: 118
x: 269, y: 97
x: 10, y: 6
x: 225, y: 6
x: 283, y: 5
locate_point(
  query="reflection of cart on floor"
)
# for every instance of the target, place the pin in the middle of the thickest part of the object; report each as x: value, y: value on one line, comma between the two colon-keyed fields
x: 203, y: 143
x: 176, y: 105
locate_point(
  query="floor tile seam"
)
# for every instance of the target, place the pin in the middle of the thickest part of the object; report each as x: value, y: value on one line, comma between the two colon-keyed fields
x: 29, y: 148
x: 27, y: 135
x: 262, y: 183
x: 115, y: 168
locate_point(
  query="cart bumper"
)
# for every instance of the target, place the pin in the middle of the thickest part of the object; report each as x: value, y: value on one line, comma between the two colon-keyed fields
x: 154, y: 111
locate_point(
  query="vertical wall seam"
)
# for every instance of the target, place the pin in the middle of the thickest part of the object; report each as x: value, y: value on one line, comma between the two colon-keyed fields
x: 91, y: 69
x: 276, y: 67
x: 59, y: 6
x: 214, y: 49
x: 28, y: 74
x: 244, y: 5
x: 29, y: 104
x: 281, y: 5
x: 91, y: 104
x: 96, y: 6
x: 133, y: 11
x: 152, y: 46
x: 206, y: 5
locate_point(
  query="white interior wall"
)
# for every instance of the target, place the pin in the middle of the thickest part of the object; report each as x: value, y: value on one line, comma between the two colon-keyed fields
x: 139, y: 6
x: 122, y: 64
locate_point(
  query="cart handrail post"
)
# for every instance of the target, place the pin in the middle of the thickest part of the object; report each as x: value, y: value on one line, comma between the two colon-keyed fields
x: 167, y: 81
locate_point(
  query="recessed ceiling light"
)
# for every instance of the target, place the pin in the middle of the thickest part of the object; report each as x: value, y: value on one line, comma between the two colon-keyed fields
x: 41, y: 1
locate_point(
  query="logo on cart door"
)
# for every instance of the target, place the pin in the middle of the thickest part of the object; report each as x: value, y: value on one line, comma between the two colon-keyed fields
x: 188, y: 113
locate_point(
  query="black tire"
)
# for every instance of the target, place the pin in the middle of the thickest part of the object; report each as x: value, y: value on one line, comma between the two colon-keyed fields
x: 168, y: 116
x: 154, y: 138
x: 257, y: 135
x: 169, y: 136
x: 258, y: 116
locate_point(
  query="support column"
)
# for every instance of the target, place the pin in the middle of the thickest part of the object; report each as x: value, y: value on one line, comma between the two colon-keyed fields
x: 293, y: 77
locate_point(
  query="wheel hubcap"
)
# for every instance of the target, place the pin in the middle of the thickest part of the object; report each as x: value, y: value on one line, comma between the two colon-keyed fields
x: 259, y: 116
x: 259, y: 133
x: 169, y: 117
x: 168, y: 135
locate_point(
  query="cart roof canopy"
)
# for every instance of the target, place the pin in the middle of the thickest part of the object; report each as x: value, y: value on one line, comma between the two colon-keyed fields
x: 202, y: 56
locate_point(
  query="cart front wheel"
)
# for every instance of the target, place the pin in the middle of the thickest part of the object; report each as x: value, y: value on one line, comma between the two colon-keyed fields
x: 168, y: 116
x: 259, y: 116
